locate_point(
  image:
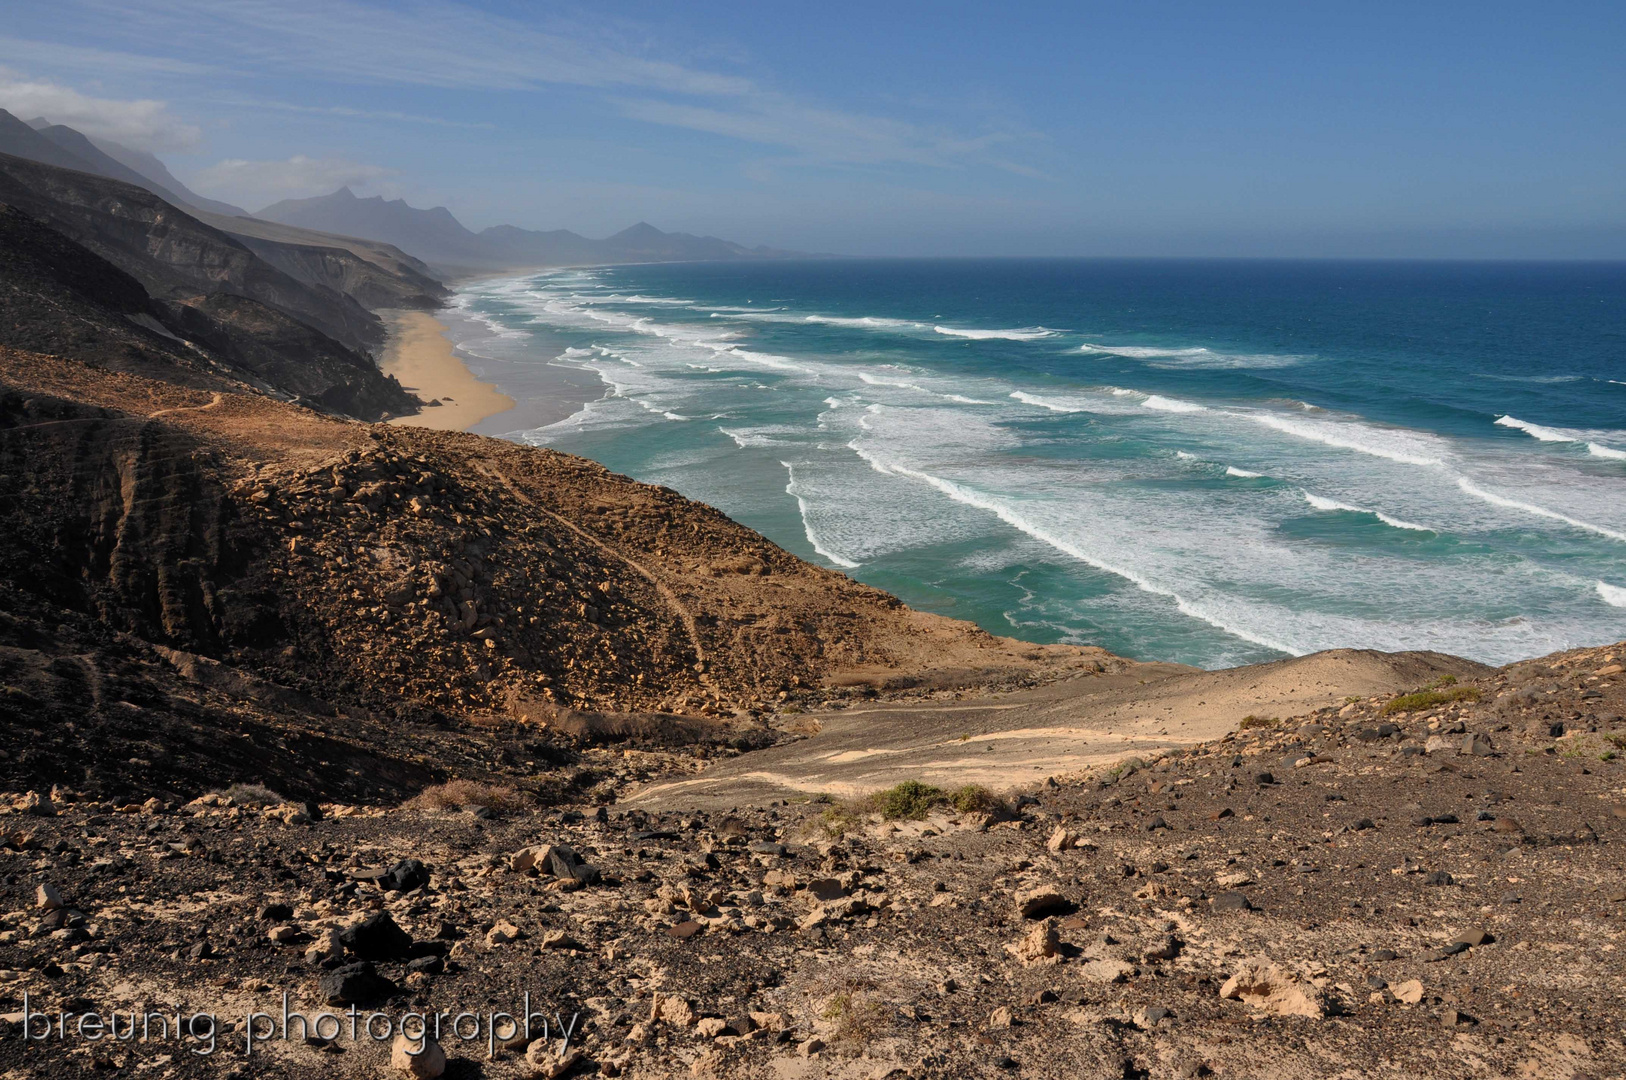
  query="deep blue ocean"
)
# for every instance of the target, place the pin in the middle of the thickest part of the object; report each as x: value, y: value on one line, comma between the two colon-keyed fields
x: 1214, y: 462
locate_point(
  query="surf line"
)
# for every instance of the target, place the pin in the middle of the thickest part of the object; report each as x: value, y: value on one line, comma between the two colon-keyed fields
x: 1016, y: 521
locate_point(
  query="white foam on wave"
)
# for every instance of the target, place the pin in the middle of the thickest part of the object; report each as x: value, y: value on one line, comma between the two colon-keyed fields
x: 1232, y: 470
x: 877, y: 380
x: 1613, y: 595
x: 1321, y: 503
x: 1138, y: 352
x: 1018, y: 522
x: 1183, y: 456
x: 614, y: 298
x: 1166, y: 404
x: 813, y: 538
x: 1195, y: 357
x: 1024, y: 333
x: 1563, y: 435
x: 1536, y: 431
x: 1044, y: 403
x: 866, y: 322
x: 1531, y: 508
x: 1361, y: 438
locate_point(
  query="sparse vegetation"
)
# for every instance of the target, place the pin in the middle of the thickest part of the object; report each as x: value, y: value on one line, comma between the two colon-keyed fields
x: 253, y: 796
x: 457, y: 794
x: 837, y: 821
x: 1250, y: 722
x: 855, y: 1017
x: 1430, y: 697
x: 910, y: 800
x: 973, y: 799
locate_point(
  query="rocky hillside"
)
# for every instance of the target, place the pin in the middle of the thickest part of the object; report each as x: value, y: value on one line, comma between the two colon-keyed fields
x: 1428, y: 886
x: 427, y: 582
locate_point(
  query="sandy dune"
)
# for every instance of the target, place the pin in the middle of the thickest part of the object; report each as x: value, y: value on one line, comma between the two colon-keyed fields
x: 1012, y: 740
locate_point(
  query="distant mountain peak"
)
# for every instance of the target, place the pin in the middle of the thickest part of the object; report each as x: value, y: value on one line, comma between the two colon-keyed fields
x: 641, y: 232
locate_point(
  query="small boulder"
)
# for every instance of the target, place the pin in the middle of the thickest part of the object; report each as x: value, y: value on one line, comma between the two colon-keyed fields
x: 1272, y: 989
x: 354, y: 984
x: 1041, y: 945
x: 47, y: 898
x: 404, y: 876
x: 504, y: 933
x: 1410, y: 991
x: 421, y: 1059
x: 377, y: 937
x: 1037, y: 903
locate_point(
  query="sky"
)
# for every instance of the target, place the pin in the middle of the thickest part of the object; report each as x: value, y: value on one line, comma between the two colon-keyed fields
x: 1450, y: 130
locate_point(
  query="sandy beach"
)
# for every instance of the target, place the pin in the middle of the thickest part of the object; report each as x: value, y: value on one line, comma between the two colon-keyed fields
x: 419, y: 354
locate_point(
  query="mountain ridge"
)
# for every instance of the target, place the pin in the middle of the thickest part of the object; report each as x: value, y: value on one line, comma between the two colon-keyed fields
x: 436, y: 236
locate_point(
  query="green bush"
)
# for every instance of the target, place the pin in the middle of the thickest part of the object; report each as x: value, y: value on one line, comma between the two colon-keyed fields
x: 1428, y: 699
x: 973, y: 799
x: 909, y: 800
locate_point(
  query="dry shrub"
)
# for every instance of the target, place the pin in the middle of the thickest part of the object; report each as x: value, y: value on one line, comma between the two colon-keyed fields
x: 457, y: 794
x: 253, y: 796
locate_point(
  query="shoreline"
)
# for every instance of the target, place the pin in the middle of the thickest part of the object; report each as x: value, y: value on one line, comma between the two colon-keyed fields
x: 499, y: 391
x: 421, y: 357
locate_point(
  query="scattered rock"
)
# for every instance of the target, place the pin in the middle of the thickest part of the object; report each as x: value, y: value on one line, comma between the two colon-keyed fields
x: 1042, y: 944
x: 1410, y: 991
x: 1272, y: 989
x: 421, y: 1059
x: 47, y: 898
x: 354, y: 984
x: 504, y: 933
x: 377, y: 937
x: 1037, y: 903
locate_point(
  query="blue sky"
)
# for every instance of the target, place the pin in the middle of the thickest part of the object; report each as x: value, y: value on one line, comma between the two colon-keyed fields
x: 1411, y: 129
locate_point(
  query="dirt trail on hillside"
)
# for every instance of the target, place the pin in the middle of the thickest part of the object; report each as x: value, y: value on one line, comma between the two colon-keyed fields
x: 1013, y: 740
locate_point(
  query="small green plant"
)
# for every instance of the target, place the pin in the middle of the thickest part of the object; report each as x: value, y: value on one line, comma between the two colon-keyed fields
x: 910, y: 800
x: 1607, y: 755
x: 836, y: 821
x: 1250, y: 722
x: 973, y: 799
x: 1430, y: 698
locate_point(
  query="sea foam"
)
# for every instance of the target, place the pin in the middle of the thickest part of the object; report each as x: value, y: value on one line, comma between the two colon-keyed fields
x: 1321, y: 503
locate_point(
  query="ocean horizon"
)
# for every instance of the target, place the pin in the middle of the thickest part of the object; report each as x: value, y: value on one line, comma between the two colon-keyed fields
x: 1215, y: 462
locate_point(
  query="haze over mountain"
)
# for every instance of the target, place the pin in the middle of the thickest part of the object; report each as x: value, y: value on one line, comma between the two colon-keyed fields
x: 435, y: 236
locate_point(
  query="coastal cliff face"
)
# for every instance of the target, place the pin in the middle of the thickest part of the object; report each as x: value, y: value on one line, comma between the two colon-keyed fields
x: 344, y: 271
x: 62, y: 298
x: 172, y: 254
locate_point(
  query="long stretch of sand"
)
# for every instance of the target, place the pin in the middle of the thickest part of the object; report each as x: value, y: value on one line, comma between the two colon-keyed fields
x: 420, y: 356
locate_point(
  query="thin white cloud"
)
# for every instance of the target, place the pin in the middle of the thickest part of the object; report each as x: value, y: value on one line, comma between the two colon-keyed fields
x: 260, y: 183
x: 344, y: 112
x: 455, y: 46
x: 427, y: 44
x: 98, y: 63
x: 143, y: 123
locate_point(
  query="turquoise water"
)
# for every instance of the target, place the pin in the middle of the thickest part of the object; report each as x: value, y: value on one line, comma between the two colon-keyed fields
x: 1209, y: 462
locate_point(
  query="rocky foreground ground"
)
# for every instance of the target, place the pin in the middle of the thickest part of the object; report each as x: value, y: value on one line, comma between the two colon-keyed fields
x: 1430, y: 886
